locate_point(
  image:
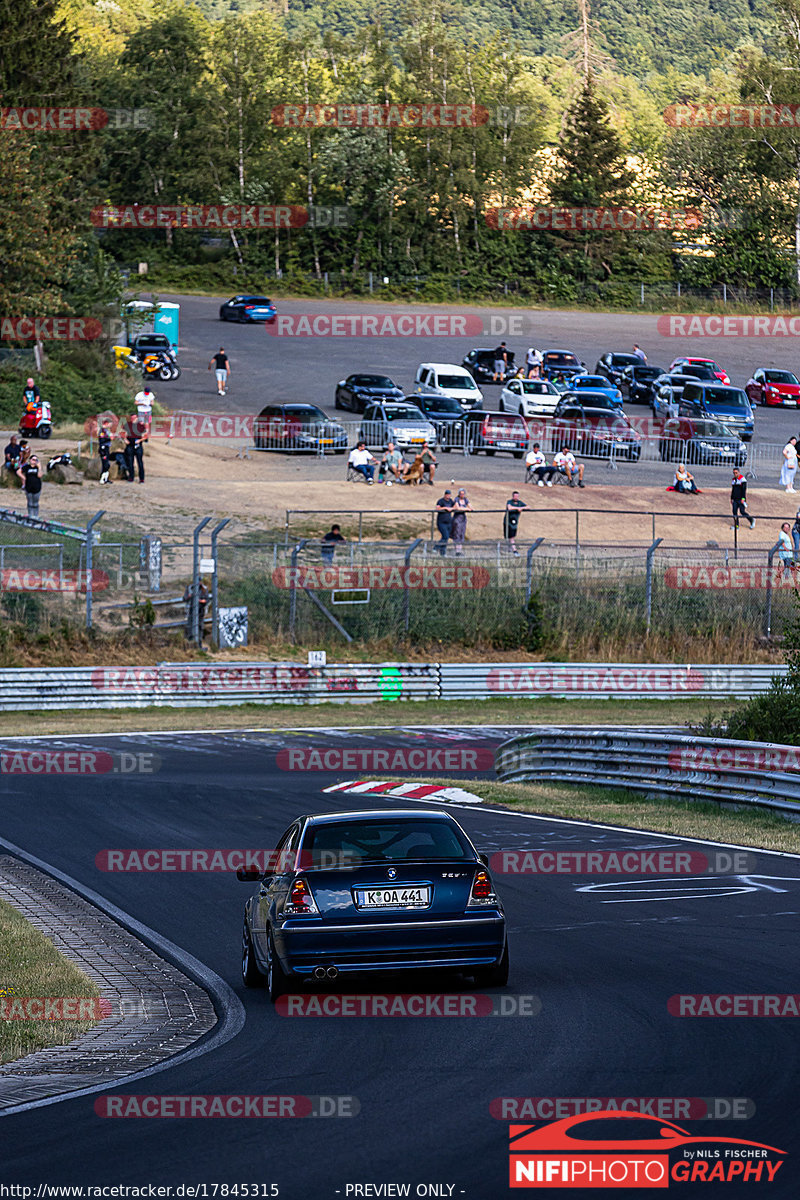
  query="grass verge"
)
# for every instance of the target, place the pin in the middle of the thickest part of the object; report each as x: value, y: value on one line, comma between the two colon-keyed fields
x: 438, y: 713
x: 635, y: 810
x: 33, y: 967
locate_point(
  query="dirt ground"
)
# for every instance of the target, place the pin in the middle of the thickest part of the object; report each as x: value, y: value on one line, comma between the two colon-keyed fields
x: 186, y: 481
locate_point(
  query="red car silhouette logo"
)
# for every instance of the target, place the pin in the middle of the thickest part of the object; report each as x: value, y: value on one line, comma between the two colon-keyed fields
x: 584, y: 1132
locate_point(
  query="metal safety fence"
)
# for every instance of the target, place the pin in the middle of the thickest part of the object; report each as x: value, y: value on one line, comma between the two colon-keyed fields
x: 219, y: 684
x: 751, y: 773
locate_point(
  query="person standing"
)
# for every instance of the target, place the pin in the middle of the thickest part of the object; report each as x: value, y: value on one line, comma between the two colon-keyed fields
x: 144, y: 406
x: 104, y: 450
x: 739, y: 499
x: 31, y: 475
x: 796, y: 536
x: 329, y: 543
x: 789, y: 468
x: 500, y: 362
x: 533, y: 362
x: 203, y: 596
x: 444, y: 520
x: 785, y: 548
x: 461, y: 506
x: 514, y: 507
x: 134, y: 450
x: 222, y: 368
x: 640, y: 353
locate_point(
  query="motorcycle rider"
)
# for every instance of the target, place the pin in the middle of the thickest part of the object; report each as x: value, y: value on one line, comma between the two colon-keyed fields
x: 31, y: 397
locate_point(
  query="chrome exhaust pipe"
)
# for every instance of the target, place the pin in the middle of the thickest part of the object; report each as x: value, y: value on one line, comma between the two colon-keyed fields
x: 332, y: 972
x: 319, y: 972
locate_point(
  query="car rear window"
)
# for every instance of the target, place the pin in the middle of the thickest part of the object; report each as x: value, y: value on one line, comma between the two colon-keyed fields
x: 389, y: 839
x: 624, y: 360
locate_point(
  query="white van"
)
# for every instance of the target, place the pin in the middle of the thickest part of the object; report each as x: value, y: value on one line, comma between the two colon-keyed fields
x: 445, y: 379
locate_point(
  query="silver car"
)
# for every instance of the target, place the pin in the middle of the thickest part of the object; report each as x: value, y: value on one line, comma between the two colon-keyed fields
x: 398, y: 422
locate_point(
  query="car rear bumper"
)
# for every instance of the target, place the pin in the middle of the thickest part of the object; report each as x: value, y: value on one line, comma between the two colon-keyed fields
x: 370, y: 946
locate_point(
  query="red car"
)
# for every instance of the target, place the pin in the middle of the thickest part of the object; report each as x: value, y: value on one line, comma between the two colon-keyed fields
x: 775, y: 388
x: 701, y: 362
x: 590, y: 1131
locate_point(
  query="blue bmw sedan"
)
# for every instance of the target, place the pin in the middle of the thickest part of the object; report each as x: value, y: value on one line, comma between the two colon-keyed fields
x: 369, y: 892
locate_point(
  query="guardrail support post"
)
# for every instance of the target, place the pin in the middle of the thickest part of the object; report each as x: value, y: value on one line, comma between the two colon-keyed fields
x: 648, y: 602
x: 529, y: 570
x: 406, y: 593
x: 194, y: 622
x: 768, y: 600
x: 293, y: 590
x: 89, y: 545
x: 216, y: 531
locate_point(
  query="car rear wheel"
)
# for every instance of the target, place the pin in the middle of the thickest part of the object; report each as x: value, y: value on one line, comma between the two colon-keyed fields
x: 490, y: 453
x: 277, y: 980
x: 251, y: 976
x: 494, y: 976
x: 517, y: 454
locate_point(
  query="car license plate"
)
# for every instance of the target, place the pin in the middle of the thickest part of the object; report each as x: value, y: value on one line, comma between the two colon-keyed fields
x: 326, y: 441
x: 506, y: 445
x: 393, y: 897
x: 417, y: 439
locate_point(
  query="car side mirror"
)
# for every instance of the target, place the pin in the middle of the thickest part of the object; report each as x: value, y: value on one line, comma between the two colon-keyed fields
x: 248, y: 875
x: 484, y: 859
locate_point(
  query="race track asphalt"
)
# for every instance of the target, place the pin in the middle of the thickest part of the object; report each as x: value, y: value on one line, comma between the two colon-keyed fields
x: 603, y: 963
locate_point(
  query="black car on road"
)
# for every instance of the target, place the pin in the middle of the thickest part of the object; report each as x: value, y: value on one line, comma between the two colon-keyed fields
x: 636, y: 383
x: 357, y: 391
x: 564, y: 363
x: 612, y: 364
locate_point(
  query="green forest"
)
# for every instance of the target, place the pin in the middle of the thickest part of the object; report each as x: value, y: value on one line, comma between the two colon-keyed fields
x: 571, y: 106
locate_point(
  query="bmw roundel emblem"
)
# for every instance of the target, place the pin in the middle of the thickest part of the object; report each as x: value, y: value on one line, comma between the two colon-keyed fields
x: 392, y: 873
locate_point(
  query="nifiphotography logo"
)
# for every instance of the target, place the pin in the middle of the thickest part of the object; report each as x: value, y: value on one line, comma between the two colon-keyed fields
x: 615, y: 1149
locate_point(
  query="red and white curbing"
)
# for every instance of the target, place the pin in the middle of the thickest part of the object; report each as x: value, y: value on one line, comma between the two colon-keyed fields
x: 422, y: 792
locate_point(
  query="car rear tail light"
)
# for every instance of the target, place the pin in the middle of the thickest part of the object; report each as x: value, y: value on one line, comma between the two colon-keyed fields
x: 300, y: 901
x: 482, y: 890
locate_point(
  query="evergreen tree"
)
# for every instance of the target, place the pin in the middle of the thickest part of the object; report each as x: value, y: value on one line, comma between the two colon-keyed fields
x: 593, y: 170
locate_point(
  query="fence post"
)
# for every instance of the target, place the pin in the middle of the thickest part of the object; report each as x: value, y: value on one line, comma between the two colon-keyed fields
x: 89, y: 545
x: 577, y: 543
x: 768, y: 601
x: 406, y: 592
x: 529, y: 570
x: 649, y: 580
x: 216, y: 531
x: 293, y: 590
x: 194, y: 622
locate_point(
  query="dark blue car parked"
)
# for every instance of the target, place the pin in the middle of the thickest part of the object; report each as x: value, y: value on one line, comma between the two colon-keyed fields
x: 369, y: 892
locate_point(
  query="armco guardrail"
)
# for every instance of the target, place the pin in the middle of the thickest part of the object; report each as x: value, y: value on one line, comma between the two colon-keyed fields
x: 755, y: 773
x: 476, y: 681
x: 209, y: 684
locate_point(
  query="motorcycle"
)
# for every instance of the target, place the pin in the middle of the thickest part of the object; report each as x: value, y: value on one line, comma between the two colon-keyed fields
x: 36, y: 420
x: 155, y: 364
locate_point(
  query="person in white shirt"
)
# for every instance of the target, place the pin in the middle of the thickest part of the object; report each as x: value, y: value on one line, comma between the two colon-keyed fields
x: 362, y: 461
x: 533, y: 361
x: 789, y: 468
x: 144, y: 405
x: 785, y: 547
x: 566, y: 464
x: 536, y: 463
